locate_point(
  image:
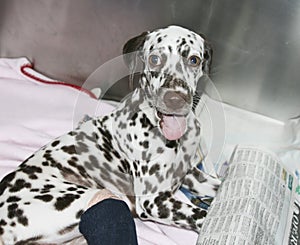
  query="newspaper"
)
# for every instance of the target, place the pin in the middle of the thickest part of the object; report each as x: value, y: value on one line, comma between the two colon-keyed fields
x: 255, y: 204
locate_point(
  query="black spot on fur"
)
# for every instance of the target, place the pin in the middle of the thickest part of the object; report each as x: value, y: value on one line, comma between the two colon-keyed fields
x: 55, y: 143
x: 6, y: 182
x: 3, y: 222
x: 92, y: 163
x: 69, y: 149
x: 19, y: 185
x: 145, y: 144
x: 179, y: 216
x: 15, y: 212
x: 72, y: 188
x: 143, y: 216
x: 105, y: 118
x: 162, y: 196
x: 154, y: 169
x: 178, y: 67
x: 134, y: 117
x: 65, y: 201
x: 125, y: 165
x: 32, y: 241
x: 31, y: 169
x: 44, y: 198
x: 198, y: 214
x: 146, y: 203
x: 206, y: 55
x: 121, y: 169
x: 13, y: 199
x: 189, y: 183
x: 144, y: 169
x: 171, y: 143
x: 45, y: 163
x: 68, y: 229
x: 108, y: 156
x: 185, y: 53
x: 129, y: 138
x: 145, y: 122
x: 11, y: 210
x: 176, y: 205
x: 163, y: 212
x: 160, y: 150
x: 116, y: 154
x: 79, y: 213
x: 72, y: 162
x: 81, y: 136
x: 183, y: 42
x: 105, y: 133
x: 33, y: 176
x: 199, y: 176
x: 81, y: 147
x: 72, y: 133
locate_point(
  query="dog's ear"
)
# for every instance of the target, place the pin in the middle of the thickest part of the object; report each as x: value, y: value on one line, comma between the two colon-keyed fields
x: 133, y: 45
x: 131, y: 51
x: 208, y: 52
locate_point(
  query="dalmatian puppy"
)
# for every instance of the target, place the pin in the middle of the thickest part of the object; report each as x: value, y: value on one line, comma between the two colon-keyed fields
x: 143, y: 151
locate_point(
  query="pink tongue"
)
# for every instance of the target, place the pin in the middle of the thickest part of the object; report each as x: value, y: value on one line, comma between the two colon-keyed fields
x: 173, y: 127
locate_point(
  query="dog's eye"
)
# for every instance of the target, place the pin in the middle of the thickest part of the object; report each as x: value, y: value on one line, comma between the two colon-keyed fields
x: 154, y: 60
x: 194, y: 60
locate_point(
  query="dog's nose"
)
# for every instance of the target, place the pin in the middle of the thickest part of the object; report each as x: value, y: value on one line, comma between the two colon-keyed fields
x: 175, y: 100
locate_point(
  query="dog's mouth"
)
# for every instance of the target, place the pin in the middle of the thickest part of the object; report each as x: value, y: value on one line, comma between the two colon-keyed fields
x: 172, y: 126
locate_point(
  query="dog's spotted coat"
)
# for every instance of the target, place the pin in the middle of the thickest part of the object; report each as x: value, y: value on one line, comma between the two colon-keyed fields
x: 143, y: 151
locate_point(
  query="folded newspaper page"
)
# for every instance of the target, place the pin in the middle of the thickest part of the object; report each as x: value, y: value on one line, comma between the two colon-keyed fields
x: 255, y: 204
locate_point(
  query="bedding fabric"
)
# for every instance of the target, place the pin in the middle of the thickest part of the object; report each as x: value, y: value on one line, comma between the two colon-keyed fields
x: 35, y: 109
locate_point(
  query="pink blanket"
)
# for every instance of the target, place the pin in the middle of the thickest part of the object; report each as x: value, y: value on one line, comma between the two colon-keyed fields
x: 35, y: 109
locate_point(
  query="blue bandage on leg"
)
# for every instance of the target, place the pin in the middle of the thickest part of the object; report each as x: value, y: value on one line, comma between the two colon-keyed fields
x: 108, y: 222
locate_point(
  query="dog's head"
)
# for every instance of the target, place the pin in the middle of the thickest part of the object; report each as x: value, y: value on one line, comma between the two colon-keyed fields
x: 174, y: 59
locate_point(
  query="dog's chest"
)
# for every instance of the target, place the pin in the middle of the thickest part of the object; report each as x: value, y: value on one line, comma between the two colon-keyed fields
x: 127, y: 145
x: 153, y: 158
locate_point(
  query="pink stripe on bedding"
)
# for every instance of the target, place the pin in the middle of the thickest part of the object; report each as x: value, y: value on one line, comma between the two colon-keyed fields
x: 27, y: 70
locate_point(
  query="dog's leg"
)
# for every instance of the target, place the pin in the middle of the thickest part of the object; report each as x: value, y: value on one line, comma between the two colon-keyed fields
x: 164, y: 208
x: 200, y: 183
x: 44, y: 210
